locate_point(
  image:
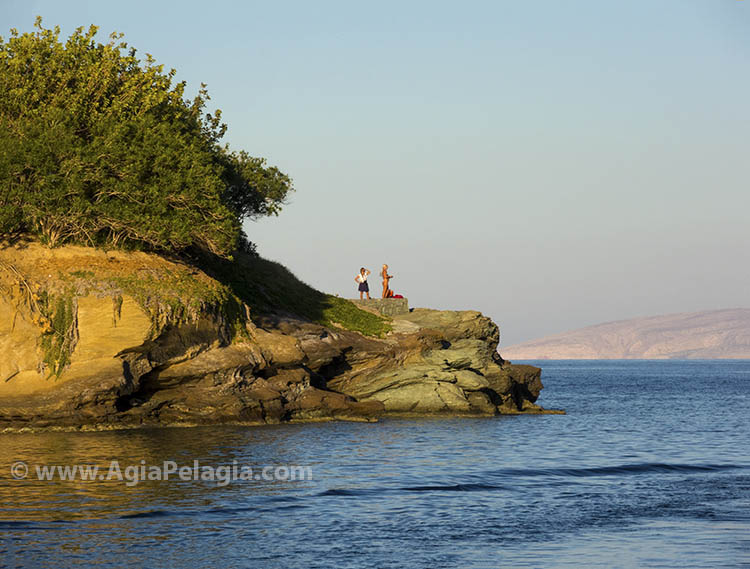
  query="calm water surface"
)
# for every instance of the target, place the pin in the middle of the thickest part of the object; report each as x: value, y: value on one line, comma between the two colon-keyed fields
x: 649, y: 468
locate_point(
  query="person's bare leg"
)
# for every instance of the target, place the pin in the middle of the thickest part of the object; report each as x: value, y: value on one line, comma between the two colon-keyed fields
x: 368, y: 295
x: 385, y: 288
x: 360, y: 295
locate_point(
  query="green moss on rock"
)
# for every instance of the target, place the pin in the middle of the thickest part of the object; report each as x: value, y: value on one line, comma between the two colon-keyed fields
x: 58, y: 319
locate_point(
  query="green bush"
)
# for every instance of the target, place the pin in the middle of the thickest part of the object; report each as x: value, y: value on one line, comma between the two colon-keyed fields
x: 99, y: 147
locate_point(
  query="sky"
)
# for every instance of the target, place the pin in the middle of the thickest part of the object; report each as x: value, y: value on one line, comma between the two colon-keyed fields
x: 551, y: 164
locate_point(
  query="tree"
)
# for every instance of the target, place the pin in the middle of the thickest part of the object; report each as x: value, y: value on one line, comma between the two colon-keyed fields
x: 97, y: 146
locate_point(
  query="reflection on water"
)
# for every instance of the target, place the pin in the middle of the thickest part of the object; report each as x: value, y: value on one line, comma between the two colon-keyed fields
x: 33, y: 499
x: 650, y: 467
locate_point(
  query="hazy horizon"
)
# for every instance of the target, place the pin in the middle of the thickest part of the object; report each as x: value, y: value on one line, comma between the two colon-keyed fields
x: 552, y: 165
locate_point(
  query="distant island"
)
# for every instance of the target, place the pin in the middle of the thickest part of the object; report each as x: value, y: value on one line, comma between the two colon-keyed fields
x: 711, y: 334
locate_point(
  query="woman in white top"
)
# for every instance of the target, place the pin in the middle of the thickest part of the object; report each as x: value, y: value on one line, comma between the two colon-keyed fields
x: 361, y: 278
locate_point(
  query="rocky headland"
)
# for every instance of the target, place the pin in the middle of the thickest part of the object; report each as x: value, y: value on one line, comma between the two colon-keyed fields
x: 110, y: 339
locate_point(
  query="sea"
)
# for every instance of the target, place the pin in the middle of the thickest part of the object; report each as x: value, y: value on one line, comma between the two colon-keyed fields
x: 650, y: 467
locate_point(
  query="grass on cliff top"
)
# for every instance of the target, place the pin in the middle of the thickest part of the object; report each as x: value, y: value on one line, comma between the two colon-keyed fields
x: 187, y: 288
x: 269, y: 287
x: 168, y: 292
x: 265, y: 286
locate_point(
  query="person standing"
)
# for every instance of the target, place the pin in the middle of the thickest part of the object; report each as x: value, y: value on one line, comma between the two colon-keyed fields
x: 387, y: 293
x: 361, y: 278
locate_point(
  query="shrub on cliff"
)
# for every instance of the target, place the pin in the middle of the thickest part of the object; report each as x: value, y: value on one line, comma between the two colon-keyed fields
x: 97, y: 146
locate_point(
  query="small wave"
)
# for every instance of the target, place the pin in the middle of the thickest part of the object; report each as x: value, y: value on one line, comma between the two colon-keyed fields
x: 467, y: 487
x: 34, y: 524
x: 151, y: 514
x: 272, y: 503
x: 637, y: 468
x: 454, y: 488
x: 619, y: 470
x: 348, y: 492
x: 16, y: 524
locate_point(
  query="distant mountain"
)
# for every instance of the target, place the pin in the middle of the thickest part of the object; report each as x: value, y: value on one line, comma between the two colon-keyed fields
x: 713, y: 334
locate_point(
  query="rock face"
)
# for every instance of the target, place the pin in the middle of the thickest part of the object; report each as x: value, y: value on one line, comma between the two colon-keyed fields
x: 385, y: 306
x: 281, y: 368
x: 714, y: 334
x: 441, y: 361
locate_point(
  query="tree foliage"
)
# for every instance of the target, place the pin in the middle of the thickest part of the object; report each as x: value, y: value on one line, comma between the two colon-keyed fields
x: 97, y: 146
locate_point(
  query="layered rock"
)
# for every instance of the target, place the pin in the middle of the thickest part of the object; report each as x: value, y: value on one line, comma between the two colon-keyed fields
x: 440, y: 362
x: 123, y: 371
x: 385, y: 306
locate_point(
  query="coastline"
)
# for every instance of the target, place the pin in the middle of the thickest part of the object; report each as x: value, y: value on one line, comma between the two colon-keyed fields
x: 108, y: 346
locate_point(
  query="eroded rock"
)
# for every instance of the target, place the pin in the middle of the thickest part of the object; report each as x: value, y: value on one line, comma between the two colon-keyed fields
x: 280, y: 368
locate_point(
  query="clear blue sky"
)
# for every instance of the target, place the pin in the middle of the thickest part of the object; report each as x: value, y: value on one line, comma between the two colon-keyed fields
x: 552, y: 164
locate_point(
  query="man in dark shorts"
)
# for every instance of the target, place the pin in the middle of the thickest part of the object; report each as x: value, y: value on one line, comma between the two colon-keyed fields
x: 361, y: 278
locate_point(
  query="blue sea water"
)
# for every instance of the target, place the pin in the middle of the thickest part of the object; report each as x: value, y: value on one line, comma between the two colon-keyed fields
x: 649, y: 468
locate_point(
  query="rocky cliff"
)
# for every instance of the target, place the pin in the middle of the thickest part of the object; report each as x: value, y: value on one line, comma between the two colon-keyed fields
x: 99, y: 339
